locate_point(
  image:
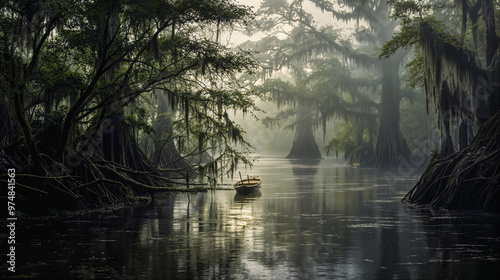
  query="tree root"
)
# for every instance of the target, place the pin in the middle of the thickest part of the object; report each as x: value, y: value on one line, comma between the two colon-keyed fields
x: 465, y: 180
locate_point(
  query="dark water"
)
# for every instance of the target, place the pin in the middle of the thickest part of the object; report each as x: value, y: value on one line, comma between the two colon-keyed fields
x: 313, y: 220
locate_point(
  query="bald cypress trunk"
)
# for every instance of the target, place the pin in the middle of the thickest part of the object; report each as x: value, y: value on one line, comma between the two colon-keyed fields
x: 304, y: 145
x: 391, y: 145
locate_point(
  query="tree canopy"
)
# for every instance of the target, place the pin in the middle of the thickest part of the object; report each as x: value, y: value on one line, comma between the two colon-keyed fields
x: 295, y: 37
x: 80, y: 80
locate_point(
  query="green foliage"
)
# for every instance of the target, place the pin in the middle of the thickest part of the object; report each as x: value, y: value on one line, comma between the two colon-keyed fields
x: 406, y: 38
x: 91, y: 68
x: 457, y: 45
x: 299, y: 44
x: 137, y: 119
x: 416, y: 77
x: 351, y: 140
x: 328, y: 90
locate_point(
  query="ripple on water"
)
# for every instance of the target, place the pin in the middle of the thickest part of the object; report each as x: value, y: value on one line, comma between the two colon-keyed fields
x: 311, y: 221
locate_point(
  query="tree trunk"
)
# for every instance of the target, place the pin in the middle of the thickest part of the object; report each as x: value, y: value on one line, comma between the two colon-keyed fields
x: 492, y: 40
x: 120, y: 146
x: 391, y: 145
x: 165, y: 152
x: 19, y: 108
x: 304, y: 145
x: 7, y: 129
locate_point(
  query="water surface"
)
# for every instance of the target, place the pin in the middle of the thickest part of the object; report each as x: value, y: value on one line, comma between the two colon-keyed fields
x: 311, y: 220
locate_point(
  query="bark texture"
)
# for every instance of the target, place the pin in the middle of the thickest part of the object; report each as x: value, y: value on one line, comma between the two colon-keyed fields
x: 465, y: 180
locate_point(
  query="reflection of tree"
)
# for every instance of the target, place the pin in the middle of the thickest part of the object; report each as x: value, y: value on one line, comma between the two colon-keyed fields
x: 390, y: 255
x: 304, y: 167
x: 207, y: 243
x: 331, y: 231
x: 176, y: 238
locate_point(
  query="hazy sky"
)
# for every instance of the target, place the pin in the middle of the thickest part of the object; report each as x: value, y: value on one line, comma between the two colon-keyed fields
x: 319, y: 17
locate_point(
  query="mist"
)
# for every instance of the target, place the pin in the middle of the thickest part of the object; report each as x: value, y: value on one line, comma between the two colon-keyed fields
x: 271, y: 139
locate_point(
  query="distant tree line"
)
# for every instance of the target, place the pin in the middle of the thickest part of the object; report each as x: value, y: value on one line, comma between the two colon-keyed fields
x: 450, y: 49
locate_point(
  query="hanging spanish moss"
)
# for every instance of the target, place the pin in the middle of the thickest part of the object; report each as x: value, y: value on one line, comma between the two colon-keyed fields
x: 80, y: 121
x: 457, y: 88
x: 465, y: 95
x: 452, y: 77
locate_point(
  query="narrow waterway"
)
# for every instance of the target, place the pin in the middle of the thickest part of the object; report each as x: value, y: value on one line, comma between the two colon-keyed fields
x: 311, y: 220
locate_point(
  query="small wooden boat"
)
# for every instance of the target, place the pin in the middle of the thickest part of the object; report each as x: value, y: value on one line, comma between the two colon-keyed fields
x: 248, y: 185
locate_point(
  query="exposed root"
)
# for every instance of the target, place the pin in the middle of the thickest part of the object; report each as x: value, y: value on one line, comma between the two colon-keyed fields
x: 95, y: 182
x: 469, y: 179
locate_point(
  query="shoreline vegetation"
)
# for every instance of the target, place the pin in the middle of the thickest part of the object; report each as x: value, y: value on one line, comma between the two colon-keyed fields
x: 103, y: 102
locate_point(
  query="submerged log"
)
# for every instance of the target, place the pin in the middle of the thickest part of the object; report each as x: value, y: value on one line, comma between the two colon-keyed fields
x: 465, y: 180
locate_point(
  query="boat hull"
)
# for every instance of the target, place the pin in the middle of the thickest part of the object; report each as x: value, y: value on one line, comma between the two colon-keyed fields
x: 248, y: 185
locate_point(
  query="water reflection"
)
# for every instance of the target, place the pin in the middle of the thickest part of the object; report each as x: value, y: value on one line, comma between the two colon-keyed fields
x: 238, y: 197
x: 308, y: 221
x: 304, y: 167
